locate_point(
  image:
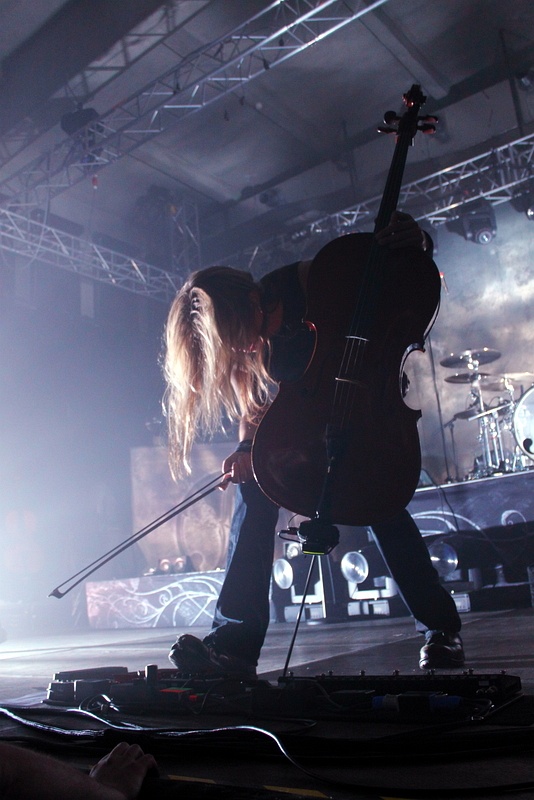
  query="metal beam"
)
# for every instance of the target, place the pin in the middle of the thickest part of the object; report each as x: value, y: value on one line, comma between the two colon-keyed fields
x: 39, y: 242
x: 201, y: 78
x: 497, y: 176
x: 42, y: 64
x: 131, y: 47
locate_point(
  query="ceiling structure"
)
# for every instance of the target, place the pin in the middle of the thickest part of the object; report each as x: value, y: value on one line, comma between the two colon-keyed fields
x: 140, y: 140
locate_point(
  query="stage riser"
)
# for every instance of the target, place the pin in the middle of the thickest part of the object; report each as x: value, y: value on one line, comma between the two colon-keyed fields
x: 499, y: 509
x: 155, y: 601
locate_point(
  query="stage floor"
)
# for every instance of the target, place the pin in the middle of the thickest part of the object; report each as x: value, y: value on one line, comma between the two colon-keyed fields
x: 494, y: 642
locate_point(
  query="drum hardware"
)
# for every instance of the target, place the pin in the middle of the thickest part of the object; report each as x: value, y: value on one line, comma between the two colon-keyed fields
x: 469, y: 413
x: 499, y: 410
x: 490, y: 418
x: 508, y: 416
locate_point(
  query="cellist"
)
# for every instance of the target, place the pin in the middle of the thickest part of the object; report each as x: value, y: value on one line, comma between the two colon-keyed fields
x: 228, y: 340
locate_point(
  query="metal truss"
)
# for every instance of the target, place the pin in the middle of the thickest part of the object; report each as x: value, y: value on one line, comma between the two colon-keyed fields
x: 186, y: 238
x: 39, y: 242
x: 129, y: 49
x: 199, y: 79
x: 496, y: 176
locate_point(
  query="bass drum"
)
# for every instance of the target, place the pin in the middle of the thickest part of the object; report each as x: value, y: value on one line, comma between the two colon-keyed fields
x: 523, y: 423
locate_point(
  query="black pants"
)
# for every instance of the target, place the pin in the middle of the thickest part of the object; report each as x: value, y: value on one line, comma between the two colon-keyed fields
x: 242, y: 612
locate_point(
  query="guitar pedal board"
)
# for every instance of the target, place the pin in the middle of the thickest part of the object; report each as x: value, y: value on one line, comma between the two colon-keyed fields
x: 161, y: 690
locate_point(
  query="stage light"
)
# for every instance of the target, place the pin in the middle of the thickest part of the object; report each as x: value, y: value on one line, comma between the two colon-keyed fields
x: 354, y: 567
x: 525, y: 80
x: 524, y: 203
x: 371, y: 589
x: 444, y: 558
x: 283, y: 573
x: 76, y: 120
x: 293, y: 550
x: 478, y: 222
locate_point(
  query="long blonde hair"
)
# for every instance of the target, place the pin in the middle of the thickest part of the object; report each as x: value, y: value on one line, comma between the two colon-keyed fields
x: 208, y: 366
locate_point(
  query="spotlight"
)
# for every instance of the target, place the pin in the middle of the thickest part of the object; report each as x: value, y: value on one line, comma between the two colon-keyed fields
x: 525, y: 80
x: 354, y: 567
x: 524, y: 203
x: 478, y: 222
x: 293, y: 549
x: 283, y: 573
x: 76, y: 120
x: 372, y: 591
x: 271, y: 198
x: 290, y: 573
x: 444, y: 558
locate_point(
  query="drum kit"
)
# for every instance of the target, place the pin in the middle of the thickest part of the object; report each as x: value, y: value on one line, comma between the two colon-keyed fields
x: 505, y: 424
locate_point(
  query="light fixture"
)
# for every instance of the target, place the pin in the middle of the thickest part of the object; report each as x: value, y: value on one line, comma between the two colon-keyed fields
x: 371, y: 589
x: 525, y: 80
x: 524, y: 203
x: 283, y: 574
x: 354, y: 567
x: 74, y: 121
x: 444, y: 558
x: 478, y: 222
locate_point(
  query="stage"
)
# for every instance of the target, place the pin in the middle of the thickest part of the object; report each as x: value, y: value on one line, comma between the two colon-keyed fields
x: 410, y: 757
x: 347, y: 715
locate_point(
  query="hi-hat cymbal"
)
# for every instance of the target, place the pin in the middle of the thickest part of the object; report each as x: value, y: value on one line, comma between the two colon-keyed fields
x: 467, y: 377
x: 482, y: 356
x: 519, y: 376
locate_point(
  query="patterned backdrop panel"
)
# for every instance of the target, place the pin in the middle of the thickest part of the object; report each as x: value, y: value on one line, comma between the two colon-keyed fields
x: 199, y: 535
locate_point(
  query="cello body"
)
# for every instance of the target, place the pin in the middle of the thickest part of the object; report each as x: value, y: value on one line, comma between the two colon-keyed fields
x: 340, y: 442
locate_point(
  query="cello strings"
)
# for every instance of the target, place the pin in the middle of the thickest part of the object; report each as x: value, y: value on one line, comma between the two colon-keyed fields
x: 369, y: 291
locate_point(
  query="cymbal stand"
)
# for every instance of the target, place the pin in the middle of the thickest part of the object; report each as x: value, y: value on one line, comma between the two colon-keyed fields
x: 490, y: 433
x: 483, y: 431
x: 450, y: 424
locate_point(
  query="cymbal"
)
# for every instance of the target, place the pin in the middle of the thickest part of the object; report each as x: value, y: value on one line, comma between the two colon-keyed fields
x: 519, y: 376
x: 498, y: 383
x: 494, y: 383
x: 482, y: 356
x: 467, y: 377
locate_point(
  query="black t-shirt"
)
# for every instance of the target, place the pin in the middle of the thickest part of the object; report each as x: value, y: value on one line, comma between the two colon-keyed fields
x: 291, y: 348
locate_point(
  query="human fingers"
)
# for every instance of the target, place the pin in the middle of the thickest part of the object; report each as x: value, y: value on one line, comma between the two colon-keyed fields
x: 124, y: 769
x: 402, y: 231
x: 242, y: 468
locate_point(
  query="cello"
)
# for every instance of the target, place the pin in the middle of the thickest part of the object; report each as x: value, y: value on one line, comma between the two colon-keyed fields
x: 339, y: 444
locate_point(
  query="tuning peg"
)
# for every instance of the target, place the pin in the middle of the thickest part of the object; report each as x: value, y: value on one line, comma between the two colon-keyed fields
x: 426, y: 127
x: 391, y: 118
